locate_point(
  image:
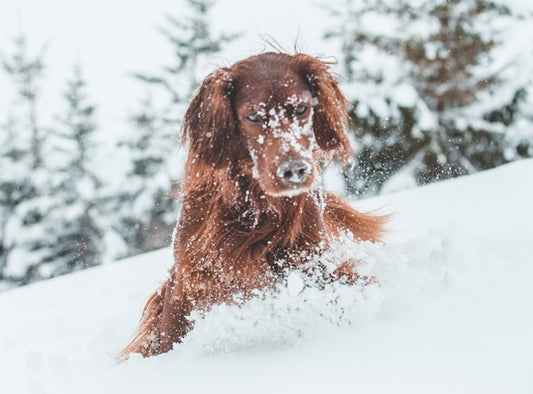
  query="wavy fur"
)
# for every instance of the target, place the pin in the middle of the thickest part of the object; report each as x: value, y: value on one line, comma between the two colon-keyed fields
x: 232, y: 233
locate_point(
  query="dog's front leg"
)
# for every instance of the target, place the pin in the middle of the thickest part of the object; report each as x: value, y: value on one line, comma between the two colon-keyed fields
x: 163, y: 322
x: 174, y: 323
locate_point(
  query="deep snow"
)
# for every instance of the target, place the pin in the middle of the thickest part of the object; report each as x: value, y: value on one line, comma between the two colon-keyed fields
x: 452, y: 313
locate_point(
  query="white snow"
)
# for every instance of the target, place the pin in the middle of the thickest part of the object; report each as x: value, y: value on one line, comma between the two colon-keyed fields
x: 332, y: 179
x: 451, y: 313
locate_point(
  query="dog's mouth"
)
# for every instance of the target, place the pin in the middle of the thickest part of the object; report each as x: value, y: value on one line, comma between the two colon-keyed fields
x: 290, y: 192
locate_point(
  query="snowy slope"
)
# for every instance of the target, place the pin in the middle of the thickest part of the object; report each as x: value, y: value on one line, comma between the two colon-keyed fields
x: 452, y: 313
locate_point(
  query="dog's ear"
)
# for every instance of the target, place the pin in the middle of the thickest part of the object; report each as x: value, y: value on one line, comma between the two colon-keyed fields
x: 209, y: 123
x: 330, y: 108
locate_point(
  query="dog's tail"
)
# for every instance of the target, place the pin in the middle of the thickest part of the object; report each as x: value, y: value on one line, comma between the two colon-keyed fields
x: 146, y: 339
x: 339, y: 216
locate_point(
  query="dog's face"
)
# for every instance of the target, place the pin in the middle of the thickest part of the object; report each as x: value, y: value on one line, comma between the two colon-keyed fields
x: 284, y: 113
x: 275, y: 122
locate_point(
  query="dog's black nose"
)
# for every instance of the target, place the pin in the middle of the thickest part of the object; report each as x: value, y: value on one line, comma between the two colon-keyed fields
x: 294, y: 171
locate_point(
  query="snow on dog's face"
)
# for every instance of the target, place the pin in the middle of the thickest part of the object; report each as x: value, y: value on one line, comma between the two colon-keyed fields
x: 275, y: 121
x: 284, y: 113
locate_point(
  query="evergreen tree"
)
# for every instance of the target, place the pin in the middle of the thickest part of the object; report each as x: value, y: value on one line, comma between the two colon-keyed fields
x: 72, y: 230
x: 429, y: 85
x: 153, y: 147
x: 22, y: 187
x: 150, y: 209
x: 192, y: 43
x: 26, y: 72
x: 75, y: 240
x: 15, y: 185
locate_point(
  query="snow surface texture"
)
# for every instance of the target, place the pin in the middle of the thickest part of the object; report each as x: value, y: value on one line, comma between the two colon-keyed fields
x: 451, y: 313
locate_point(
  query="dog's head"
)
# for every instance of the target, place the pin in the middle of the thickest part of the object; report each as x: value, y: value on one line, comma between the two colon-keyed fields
x: 283, y: 112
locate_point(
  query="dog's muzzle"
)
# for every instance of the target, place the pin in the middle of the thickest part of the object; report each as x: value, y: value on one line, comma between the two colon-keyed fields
x: 294, y: 171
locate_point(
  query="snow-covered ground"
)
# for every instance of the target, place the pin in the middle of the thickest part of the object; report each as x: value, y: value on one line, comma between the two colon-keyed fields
x: 452, y: 313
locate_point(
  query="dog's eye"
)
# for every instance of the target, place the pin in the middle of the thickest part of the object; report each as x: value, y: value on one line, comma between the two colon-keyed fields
x: 253, y: 118
x: 300, y: 110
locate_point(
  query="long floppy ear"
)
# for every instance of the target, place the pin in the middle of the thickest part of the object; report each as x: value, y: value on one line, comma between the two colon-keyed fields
x: 209, y: 123
x: 330, y: 112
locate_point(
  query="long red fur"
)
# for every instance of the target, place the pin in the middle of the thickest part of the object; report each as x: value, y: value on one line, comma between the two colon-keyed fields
x: 230, y: 233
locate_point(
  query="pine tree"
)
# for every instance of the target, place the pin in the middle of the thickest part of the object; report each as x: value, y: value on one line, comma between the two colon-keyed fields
x: 70, y: 227
x: 22, y: 187
x: 76, y: 237
x: 15, y: 186
x: 26, y: 71
x: 155, y: 158
x: 192, y: 43
x: 423, y: 78
x: 150, y: 208
x: 78, y: 219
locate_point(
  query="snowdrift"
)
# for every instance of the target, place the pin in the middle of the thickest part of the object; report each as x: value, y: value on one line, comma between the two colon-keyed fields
x: 451, y: 313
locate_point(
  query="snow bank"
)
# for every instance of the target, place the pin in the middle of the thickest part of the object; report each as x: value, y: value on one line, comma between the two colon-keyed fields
x: 451, y: 313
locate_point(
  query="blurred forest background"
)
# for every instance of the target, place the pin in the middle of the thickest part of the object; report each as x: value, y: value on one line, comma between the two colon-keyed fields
x: 440, y: 89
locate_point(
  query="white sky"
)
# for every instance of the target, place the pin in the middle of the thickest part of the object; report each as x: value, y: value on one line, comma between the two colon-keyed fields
x: 115, y: 38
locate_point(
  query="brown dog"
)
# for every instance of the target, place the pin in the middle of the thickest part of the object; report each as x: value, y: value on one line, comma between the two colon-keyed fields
x: 259, y: 132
